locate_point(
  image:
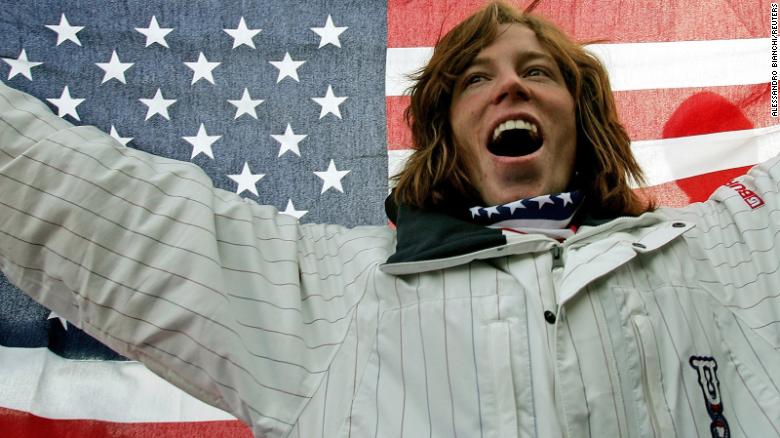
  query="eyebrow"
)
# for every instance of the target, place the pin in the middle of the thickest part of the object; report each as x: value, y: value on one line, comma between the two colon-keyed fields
x: 525, y: 56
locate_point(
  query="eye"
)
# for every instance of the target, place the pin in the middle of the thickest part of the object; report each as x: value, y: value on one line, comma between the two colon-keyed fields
x: 537, y: 71
x: 474, y: 78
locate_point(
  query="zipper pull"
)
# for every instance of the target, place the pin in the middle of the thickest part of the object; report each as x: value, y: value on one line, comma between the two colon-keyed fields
x: 557, y: 252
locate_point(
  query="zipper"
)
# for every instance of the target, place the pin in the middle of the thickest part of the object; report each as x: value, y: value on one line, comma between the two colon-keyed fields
x: 557, y: 252
x: 650, y: 374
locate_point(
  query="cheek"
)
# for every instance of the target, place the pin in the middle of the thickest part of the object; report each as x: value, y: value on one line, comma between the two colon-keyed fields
x: 566, y: 165
x: 469, y: 161
x: 458, y: 126
x: 568, y: 129
x: 464, y: 114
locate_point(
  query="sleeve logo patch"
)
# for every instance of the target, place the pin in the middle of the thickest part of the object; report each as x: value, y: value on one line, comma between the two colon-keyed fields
x: 750, y: 197
x: 707, y: 369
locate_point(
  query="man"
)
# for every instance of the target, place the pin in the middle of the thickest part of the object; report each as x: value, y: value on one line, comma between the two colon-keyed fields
x: 479, y: 318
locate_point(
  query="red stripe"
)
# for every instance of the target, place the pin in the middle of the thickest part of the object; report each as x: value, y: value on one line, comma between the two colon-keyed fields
x: 680, y: 112
x: 398, y: 134
x: 420, y: 23
x: 653, y: 114
x: 694, y: 189
x: 15, y: 423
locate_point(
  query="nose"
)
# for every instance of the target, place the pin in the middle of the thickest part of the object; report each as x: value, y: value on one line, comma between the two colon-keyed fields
x: 511, y: 86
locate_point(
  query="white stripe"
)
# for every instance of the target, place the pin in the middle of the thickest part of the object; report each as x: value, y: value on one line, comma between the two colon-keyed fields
x: 638, y: 66
x: 675, y: 158
x: 396, y: 159
x: 672, y: 159
x: 534, y: 225
x: 49, y: 386
x: 682, y: 64
x: 400, y: 63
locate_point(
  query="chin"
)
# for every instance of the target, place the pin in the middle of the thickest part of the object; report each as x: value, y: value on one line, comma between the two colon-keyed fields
x: 519, y: 193
x: 507, y: 198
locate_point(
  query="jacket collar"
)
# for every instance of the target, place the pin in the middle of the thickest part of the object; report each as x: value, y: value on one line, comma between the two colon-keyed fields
x: 426, y: 235
x: 429, y: 240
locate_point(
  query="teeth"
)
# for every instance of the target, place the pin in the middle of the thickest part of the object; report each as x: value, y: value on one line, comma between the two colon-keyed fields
x: 514, y: 124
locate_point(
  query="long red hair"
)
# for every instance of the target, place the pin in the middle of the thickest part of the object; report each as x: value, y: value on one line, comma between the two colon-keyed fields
x: 435, y: 175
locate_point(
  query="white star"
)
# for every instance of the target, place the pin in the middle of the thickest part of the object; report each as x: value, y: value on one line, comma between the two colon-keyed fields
x: 291, y: 211
x: 154, y: 33
x: 242, y: 34
x: 514, y: 206
x: 114, y: 69
x: 66, y: 105
x: 246, y: 105
x: 247, y: 180
x: 157, y: 105
x: 201, y: 142
x: 330, y: 103
x: 115, y: 134
x: 287, y: 67
x: 542, y: 200
x: 202, y: 69
x: 329, y: 34
x: 566, y: 197
x: 21, y: 66
x: 54, y: 315
x: 332, y: 177
x: 65, y: 31
x: 289, y: 141
x: 475, y: 211
x: 491, y: 211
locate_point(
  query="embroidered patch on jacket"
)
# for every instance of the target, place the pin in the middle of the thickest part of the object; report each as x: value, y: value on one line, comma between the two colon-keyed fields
x: 750, y: 197
x: 707, y: 368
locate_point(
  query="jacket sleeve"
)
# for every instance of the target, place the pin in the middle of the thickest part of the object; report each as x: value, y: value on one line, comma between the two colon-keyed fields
x: 735, y: 249
x: 239, y: 306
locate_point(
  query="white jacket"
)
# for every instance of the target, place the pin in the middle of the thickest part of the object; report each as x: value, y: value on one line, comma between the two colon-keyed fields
x: 663, y: 325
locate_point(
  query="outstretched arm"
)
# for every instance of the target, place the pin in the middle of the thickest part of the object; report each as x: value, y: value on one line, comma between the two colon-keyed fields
x: 223, y: 297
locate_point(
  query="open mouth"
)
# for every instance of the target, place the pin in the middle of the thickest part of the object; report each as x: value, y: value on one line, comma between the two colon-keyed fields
x: 515, y: 138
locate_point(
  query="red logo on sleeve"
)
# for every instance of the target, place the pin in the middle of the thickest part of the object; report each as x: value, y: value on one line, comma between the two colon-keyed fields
x: 750, y: 197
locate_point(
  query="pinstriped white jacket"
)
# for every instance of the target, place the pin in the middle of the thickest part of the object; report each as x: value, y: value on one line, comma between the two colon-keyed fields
x: 663, y: 325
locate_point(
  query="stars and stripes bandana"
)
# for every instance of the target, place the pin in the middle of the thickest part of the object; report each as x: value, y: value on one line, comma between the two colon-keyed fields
x: 547, y: 214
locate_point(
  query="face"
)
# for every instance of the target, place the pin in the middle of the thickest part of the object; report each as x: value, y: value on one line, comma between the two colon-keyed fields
x: 513, y: 120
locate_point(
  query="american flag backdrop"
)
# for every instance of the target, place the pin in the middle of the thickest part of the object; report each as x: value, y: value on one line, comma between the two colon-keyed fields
x: 299, y: 104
